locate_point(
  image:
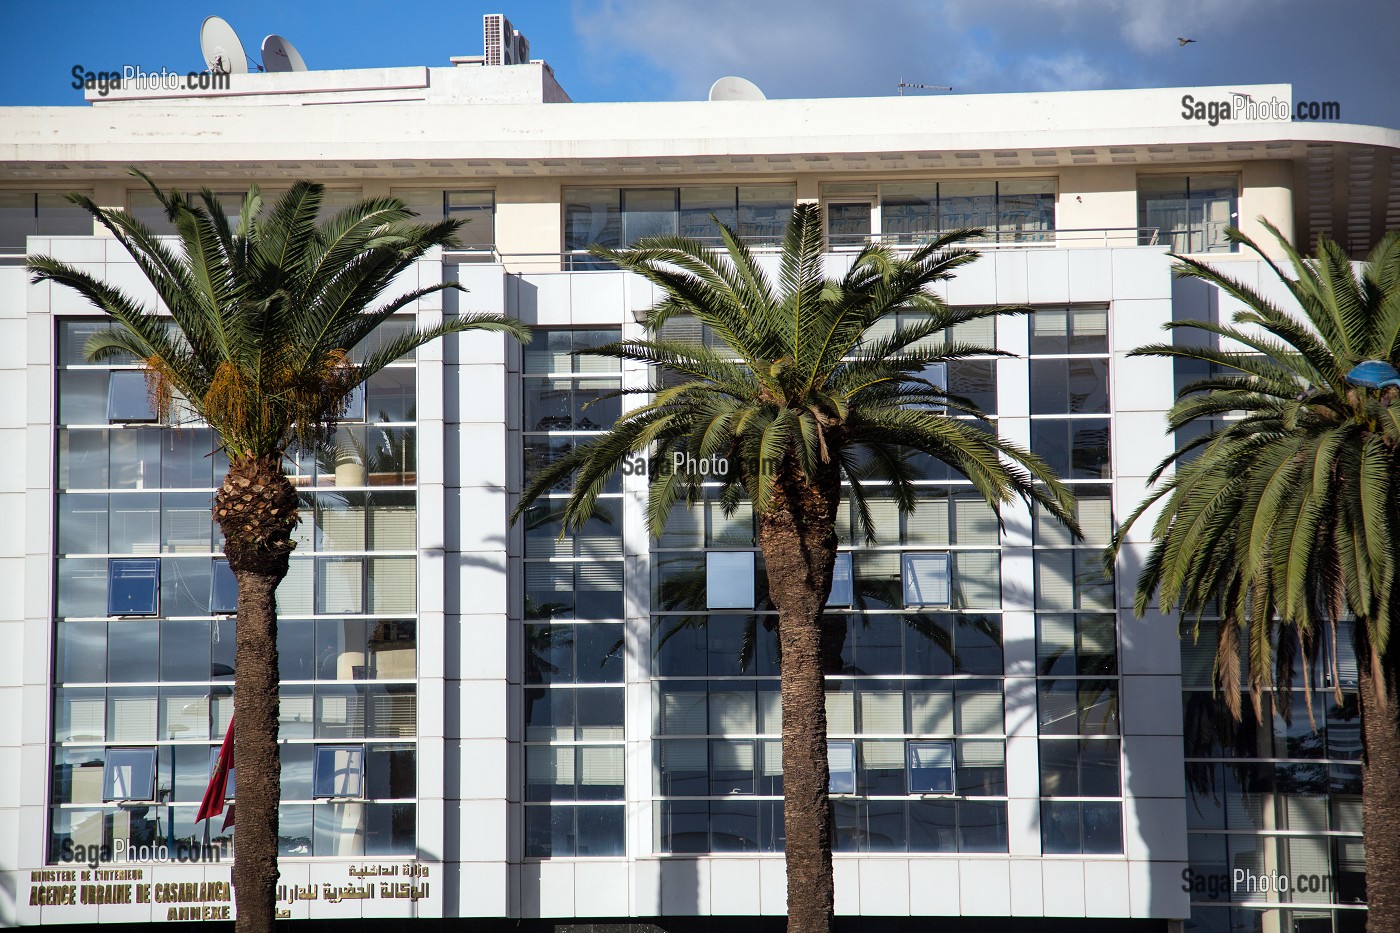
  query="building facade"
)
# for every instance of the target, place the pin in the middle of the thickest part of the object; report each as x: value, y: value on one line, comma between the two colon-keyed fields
x: 489, y: 721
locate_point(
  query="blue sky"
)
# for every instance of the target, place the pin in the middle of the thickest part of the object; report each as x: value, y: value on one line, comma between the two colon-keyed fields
x: 1342, y: 51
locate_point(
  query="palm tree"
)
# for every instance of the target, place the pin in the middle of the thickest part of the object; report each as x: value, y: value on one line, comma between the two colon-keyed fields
x: 798, y: 398
x: 263, y: 322
x: 1283, y: 515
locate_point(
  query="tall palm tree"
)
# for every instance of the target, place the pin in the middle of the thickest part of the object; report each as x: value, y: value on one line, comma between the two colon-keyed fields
x: 1285, y: 513
x: 798, y: 398
x: 264, y: 319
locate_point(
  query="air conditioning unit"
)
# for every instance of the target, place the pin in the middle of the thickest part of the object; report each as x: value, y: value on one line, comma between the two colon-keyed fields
x: 503, y: 45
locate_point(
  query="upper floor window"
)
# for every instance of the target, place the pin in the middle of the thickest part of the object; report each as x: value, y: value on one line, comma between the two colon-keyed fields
x: 39, y: 213
x: 477, y: 208
x: 144, y: 205
x: 620, y: 216
x: 1014, y: 210
x: 1189, y: 213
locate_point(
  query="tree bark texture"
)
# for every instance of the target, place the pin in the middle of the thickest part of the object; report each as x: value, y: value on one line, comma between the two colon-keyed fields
x: 798, y: 539
x: 257, y: 508
x: 1380, y: 792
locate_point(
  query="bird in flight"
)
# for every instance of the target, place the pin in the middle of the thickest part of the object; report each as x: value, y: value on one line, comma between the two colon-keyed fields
x: 1181, y: 41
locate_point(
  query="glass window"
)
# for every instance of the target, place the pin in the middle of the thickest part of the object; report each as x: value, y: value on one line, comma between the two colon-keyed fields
x: 1076, y: 329
x: 128, y: 399
x: 1076, y: 644
x: 133, y: 585
x: 764, y: 211
x: 1075, y: 449
x: 129, y: 774
x: 1093, y: 508
x: 841, y: 759
x: 132, y: 652
x: 592, y: 215
x: 82, y: 459
x: 1025, y: 208
x: 1072, y: 579
x: 729, y: 579
x: 339, y: 771
x: 936, y: 375
x: 648, y: 212
x: 133, y: 457
x: 427, y: 203
x: 702, y: 206
x: 81, y: 652
x: 963, y: 204
x: 564, y: 830
x: 841, y: 580
x: 39, y: 213
x: 930, y: 767
x: 184, y: 651
x: 1074, y: 386
x: 1189, y: 213
x: 478, y: 211
x: 391, y: 771
x: 849, y: 223
x: 223, y: 590
x: 231, y: 788
x: 1078, y: 707
x: 1079, y: 768
x: 982, y: 826
x: 926, y: 580
x: 184, y: 586
x: 908, y: 212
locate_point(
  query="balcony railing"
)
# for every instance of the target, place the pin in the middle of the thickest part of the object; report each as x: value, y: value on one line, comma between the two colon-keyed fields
x: 1102, y: 237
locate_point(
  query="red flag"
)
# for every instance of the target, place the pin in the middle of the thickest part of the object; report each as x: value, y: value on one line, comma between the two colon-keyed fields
x: 213, y: 802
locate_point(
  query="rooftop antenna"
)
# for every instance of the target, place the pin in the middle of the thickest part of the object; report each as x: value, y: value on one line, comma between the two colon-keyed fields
x: 278, y: 54
x: 222, y: 50
x: 735, y: 88
x: 923, y: 87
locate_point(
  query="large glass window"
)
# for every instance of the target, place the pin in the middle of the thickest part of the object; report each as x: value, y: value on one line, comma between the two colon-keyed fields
x: 620, y: 216
x: 573, y: 634
x: 39, y: 213
x: 145, y: 628
x: 1076, y: 630
x: 476, y: 208
x: 916, y: 744
x: 1189, y: 213
x: 1011, y: 210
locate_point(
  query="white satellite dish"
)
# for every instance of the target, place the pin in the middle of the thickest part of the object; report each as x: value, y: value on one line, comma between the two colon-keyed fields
x: 735, y: 88
x: 278, y: 54
x: 222, y: 50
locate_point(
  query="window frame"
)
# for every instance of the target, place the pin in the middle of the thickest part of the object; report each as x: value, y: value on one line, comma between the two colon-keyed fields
x: 317, y: 775
x: 113, y: 759
x: 913, y: 598
x: 912, y: 748
x: 133, y: 566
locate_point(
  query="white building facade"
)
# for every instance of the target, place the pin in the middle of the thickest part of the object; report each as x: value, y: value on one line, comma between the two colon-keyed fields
x: 487, y: 721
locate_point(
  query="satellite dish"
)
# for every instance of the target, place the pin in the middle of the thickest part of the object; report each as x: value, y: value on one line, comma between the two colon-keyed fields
x: 278, y: 54
x: 222, y: 50
x: 735, y: 88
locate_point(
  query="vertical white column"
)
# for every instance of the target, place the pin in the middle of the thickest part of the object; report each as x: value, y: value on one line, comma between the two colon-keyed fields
x: 476, y: 452
x: 1018, y: 573
x: 26, y: 432
x: 1149, y: 654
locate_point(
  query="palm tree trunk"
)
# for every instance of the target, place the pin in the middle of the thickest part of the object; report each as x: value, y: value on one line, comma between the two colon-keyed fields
x: 255, y: 754
x: 257, y: 509
x: 1380, y: 793
x: 799, y: 556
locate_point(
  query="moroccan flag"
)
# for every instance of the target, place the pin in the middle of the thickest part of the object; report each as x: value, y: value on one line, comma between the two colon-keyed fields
x: 213, y: 802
